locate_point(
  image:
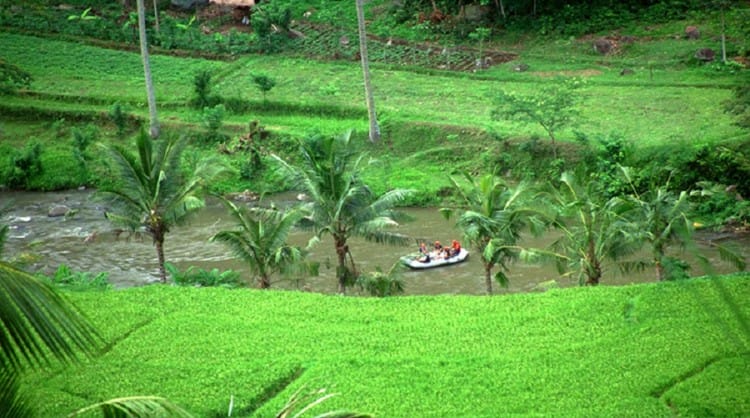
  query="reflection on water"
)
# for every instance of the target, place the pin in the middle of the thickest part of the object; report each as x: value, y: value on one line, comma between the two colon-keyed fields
x: 88, y: 242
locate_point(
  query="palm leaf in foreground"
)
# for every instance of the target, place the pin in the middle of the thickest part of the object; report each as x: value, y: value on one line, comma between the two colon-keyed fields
x: 310, y: 399
x: 36, y: 324
x: 134, y: 407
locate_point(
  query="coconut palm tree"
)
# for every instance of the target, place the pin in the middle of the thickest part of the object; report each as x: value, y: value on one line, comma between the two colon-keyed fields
x: 340, y: 203
x: 154, y: 129
x: 492, y: 217
x: 260, y: 241
x: 153, y: 192
x: 594, y: 230
x: 374, y: 128
x: 662, y: 217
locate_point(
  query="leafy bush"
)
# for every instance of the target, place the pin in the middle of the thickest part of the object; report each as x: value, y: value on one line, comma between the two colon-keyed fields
x: 202, y: 87
x: 381, y: 284
x: 264, y: 84
x: 24, y: 165
x: 269, y: 20
x: 118, y: 115
x: 199, y: 277
x: 66, y: 278
x: 213, y: 118
x: 12, y: 78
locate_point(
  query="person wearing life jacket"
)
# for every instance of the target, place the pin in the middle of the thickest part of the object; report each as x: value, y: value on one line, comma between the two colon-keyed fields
x: 455, y: 248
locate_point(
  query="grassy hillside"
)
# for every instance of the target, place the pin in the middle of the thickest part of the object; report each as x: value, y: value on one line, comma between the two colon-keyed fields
x: 647, y: 350
x: 443, y: 115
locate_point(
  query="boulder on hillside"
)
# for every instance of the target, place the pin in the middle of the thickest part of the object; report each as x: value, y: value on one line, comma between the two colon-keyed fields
x: 604, y: 46
x: 705, y: 54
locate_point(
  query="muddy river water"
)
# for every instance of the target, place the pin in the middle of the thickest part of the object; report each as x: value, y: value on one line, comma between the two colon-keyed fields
x: 87, y: 242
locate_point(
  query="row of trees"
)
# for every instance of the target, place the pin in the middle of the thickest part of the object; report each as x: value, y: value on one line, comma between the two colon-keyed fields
x: 155, y: 193
x: 593, y: 229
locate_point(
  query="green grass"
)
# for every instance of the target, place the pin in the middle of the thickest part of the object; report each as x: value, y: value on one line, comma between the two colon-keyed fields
x: 646, y: 350
x: 682, y: 105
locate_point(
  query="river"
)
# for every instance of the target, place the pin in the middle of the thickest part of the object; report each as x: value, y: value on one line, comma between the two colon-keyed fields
x: 87, y: 242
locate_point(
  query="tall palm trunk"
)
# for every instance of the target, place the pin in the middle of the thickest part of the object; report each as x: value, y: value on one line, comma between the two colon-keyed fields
x: 658, y: 254
x: 341, y: 271
x: 594, y: 271
x: 264, y: 282
x: 156, y: 16
x: 151, y: 96
x: 659, y: 270
x: 488, y: 277
x: 374, y: 128
x: 159, y: 242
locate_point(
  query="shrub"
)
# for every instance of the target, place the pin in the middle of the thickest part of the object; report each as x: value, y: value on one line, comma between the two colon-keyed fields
x: 118, y: 115
x: 201, y: 278
x: 213, y: 118
x: 12, y: 78
x: 264, y: 84
x: 24, y: 165
x: 380, y: 284
x: 202, y: 87
x: 66, y: 278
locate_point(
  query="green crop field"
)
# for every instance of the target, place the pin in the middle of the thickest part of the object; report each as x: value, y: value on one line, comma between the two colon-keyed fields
x: 652, y: 350
x: 667, y: 108
x: 644, y: 350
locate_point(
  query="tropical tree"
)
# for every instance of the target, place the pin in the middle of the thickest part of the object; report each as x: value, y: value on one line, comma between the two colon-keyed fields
x: 662, y: 217
x: 154, y: 129
x: 261, y: 241
x: 264, y: 84
x: 594, y: 230
x: 374, y: 128
x: 553, y: 107
x: 153, y: 191
x: 340, y: 203
x: 492, y: 217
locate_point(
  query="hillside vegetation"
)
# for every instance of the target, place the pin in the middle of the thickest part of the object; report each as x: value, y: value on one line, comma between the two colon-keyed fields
x: 666, y: 111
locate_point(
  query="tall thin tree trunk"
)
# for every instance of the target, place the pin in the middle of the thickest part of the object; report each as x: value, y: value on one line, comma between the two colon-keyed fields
x: 159, y: 242
x: 374, y: 128
x: 156, y: 16
x: 594, y: 273
x: 153, y: 118
x: 659, y: 270
x: 341, y: 271
x: 499, y: 5
x: 488, y: 278
x: 723, y: 38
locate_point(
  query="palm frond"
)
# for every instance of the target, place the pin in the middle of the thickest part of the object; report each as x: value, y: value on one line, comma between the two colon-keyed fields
x: 302, y: 401
x: 37, y: 324
x: 13, y: 403
x: 134, y: 407
x: 730, y: 255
